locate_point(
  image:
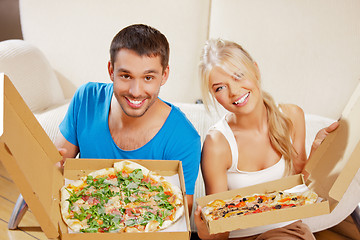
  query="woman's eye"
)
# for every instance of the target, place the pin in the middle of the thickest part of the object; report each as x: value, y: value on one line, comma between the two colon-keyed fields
x: 238, y: 76
x: 219, y: 88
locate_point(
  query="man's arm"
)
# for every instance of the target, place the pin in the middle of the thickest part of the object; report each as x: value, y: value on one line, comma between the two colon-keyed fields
x: 66, y: 149
x: 190, y: 199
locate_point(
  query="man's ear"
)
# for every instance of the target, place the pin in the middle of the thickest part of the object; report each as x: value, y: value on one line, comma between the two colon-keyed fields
x: 111, y: 71
x: 165, y: 75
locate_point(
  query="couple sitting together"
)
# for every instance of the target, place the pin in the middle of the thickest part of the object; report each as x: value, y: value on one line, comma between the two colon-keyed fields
x: 256, y: 141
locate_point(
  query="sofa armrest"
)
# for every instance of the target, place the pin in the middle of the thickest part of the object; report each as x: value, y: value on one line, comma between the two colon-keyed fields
x: 31, y: 74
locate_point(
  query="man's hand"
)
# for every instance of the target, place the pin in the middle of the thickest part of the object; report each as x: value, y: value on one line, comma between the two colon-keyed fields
x: 61, y: 163
x: 66, y: 150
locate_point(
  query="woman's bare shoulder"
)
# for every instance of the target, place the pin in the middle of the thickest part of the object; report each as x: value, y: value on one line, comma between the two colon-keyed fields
x: 216, y: 148
x: 293, y: 111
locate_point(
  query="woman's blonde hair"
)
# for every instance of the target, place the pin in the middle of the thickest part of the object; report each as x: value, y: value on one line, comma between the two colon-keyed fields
x: 233, y: 59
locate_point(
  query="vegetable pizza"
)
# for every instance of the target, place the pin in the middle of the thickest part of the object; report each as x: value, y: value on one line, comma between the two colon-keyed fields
x: 125, y: 198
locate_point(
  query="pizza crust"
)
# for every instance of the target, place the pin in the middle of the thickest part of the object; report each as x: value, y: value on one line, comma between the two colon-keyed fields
x: 128, y: 165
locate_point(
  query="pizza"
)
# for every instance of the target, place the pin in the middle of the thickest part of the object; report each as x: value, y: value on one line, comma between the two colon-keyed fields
x: 256, y: 203
x: 125, y: 198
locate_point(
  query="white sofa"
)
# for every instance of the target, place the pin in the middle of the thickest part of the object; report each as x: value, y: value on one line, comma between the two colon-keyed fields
x: 66, y: 44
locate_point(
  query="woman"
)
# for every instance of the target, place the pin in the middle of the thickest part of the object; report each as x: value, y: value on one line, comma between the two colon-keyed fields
x: 256, y: 142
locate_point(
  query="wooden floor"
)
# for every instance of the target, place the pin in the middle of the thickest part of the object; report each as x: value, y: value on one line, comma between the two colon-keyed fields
x: 29, y: 228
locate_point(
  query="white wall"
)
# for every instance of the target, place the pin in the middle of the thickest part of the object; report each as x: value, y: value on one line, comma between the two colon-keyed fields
x: 75, y: 36
x: 308, y: 51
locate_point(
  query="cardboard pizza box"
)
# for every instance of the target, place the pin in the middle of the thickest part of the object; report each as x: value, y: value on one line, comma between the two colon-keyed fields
x: 332, y: 168
x: 29, y: 156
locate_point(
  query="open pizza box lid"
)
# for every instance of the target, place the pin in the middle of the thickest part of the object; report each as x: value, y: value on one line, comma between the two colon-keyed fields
x: 335, y: 163
x: 332, y: 168
x: 29, y: 156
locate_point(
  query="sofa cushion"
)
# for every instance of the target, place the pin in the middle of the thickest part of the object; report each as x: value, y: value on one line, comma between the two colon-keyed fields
x: 31, y: 74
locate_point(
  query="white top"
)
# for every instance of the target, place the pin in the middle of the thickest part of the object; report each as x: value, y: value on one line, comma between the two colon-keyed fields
x: 238, y: 179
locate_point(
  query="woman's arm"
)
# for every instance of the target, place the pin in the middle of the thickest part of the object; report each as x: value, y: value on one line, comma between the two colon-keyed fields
x: 215, y: 160
x: 296, y: 114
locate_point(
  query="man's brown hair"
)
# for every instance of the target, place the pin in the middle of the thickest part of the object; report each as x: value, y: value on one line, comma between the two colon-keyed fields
x: 142, y: 39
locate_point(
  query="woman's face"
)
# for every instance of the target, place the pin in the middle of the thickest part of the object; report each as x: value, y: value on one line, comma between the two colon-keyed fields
x: 234, y: 92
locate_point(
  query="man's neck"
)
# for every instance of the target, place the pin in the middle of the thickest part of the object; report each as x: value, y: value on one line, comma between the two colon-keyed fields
x: 130, y: 133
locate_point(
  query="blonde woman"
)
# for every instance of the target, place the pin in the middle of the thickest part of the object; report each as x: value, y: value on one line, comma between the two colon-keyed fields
x: 256, y: 142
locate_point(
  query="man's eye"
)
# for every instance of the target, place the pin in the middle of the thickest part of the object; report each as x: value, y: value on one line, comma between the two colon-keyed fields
x: 148, y: 78
x: 126, y: 76
x: 219, y: 88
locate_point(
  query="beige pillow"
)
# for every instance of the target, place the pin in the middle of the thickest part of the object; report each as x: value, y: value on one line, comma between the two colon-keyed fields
x: 31, y: 74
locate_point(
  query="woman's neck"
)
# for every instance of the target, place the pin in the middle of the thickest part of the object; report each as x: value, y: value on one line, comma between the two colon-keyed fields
x: 254, y: 121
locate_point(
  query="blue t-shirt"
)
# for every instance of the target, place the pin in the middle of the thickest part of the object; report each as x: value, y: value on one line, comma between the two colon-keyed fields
x: 86, y: 126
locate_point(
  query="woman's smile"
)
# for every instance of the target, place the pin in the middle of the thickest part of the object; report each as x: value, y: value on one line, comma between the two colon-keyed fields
x: 242, y: 100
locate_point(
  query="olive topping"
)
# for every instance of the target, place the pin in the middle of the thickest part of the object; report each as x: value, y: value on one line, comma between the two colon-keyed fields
x: 239, y: 213
x: 277, y: 206
x: 294, y: 198
x: 244, y: 199
x: 260, y: 200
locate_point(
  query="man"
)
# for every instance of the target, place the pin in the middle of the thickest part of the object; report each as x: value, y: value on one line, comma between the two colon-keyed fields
x: 125, y: 119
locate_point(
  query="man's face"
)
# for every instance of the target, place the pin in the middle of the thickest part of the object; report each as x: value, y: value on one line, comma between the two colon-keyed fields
x: 137, y: 81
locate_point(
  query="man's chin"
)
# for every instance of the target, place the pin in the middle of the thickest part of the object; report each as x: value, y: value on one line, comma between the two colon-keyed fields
x: 135, y: 113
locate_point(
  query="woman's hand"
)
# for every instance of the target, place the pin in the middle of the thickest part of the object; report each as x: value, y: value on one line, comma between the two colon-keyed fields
x: 200, y: 224
x: 202, y: 229
x: 321, y: 135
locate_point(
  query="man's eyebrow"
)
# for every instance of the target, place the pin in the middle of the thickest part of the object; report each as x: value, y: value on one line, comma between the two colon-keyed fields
x: 151, y: 71
x: 123, y: 70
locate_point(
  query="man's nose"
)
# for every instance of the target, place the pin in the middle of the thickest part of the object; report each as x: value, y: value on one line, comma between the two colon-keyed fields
x: 136, y: 88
